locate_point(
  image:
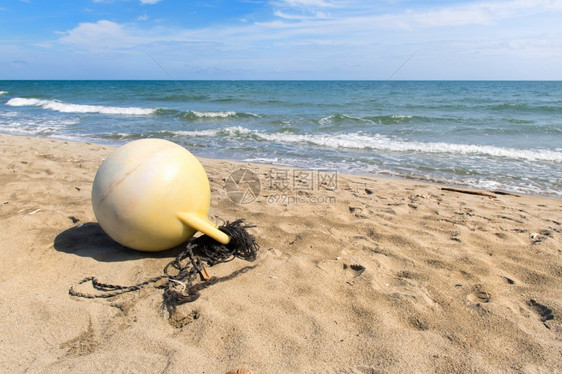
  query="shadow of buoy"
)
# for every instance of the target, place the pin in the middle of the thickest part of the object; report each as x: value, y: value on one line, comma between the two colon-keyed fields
x: 89, y: 240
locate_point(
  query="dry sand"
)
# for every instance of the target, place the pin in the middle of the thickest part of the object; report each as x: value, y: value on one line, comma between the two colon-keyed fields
x: 452, y: 282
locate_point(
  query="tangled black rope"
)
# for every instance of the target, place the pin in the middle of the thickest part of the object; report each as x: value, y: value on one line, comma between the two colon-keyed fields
x: 181, y: 288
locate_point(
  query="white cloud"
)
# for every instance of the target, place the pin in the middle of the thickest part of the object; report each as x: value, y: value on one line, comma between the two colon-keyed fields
x: 149, y: 1
x: 456, y: 15
x: 477, y: 13
x: 107, y: 36
x: 99, y: 36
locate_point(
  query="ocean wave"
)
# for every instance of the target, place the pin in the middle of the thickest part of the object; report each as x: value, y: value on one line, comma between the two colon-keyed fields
x: 62, y: 107
x: 526, y: 107
x: 37, y: 122
x: 3, y: 92
x: 194, y: 133
x: 383, y: 143
x: 37, y: 131
x: 190, y: 115
x: 391, y: 119
x: 380, y: 143
x: 166, y: 112
x: 40, y: 127
x: 212, y: 114
x: 338, y: 118
x: 9, y: 114
x: 396, y: 119
x: 233, y: 131
x: 193, y: 115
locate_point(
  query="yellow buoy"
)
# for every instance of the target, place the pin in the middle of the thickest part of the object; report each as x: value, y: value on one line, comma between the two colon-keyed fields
x: 152, y: 195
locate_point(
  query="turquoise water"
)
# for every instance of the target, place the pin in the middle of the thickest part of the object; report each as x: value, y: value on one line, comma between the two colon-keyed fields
x: 494, y: 135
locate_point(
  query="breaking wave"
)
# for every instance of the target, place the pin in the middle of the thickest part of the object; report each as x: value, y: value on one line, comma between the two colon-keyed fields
x: 62, y: 107
x: 380, y: 143
x: 193, y: 115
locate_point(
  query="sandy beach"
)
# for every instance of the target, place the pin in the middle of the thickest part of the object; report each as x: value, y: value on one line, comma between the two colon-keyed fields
x: 354, y: 275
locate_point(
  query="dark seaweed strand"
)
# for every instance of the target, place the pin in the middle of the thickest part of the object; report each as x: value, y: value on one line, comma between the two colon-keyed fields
x: 180, y: 287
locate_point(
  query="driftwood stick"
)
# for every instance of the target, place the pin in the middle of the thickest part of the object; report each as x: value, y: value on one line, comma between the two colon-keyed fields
x: 469, y: 192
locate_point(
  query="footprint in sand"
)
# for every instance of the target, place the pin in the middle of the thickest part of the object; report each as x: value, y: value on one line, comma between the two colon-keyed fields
x: 543, y: 312
x: 413, y: 292
x: 479, y: 297
x: 359, y: 210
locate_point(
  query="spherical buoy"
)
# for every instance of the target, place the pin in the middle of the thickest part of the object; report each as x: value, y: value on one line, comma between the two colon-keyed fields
x: 152, y: 195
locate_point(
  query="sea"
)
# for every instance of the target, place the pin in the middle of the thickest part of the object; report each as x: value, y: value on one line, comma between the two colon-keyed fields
x: 493, y: 135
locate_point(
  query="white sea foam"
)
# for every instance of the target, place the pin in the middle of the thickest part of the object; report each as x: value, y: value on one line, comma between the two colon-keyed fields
x: 238, y: 130
x: 3, y: 92
x: 78, y: 108
x: 230, y: 131
x: 39, y: 122
x: 193, y: 133
x: 383, y: 143
x: 220, y: 114
x: 213, y: 114
x: 45, y: 130
x: 9, y: 122
x: 527, y: 188
x: 264, y: 160
x: 8, y: 114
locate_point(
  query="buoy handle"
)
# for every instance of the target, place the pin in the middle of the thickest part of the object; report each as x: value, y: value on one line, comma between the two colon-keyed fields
x: 204, y: 225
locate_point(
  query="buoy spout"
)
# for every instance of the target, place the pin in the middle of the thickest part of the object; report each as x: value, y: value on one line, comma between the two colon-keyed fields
x: 204, y: 225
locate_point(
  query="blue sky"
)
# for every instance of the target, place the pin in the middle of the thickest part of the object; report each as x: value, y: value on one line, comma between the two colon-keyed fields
x: 280, y: 39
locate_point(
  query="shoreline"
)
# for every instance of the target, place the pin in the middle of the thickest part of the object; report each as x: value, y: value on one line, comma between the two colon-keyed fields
x: 367, y: 274
x: 375, y: 176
